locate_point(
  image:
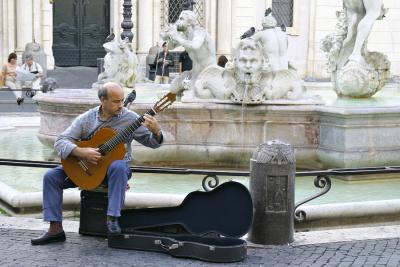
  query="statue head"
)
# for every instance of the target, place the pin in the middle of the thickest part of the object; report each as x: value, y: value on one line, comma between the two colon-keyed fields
x: 33, y: 47
x: 269, y: 21
x: 114, y: 50
x: 186, y: 18
x: 248, y: 58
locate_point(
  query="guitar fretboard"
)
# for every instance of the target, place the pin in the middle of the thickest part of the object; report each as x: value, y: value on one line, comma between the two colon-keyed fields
x: 124, y: 134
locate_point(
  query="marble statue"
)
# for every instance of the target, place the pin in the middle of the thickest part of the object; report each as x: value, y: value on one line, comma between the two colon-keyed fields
x: 356, y: 72
x: 120, y: 63
x: 197, y: 42
x: 260, y: 70
x: 274, y: 42
x: 248, y: 79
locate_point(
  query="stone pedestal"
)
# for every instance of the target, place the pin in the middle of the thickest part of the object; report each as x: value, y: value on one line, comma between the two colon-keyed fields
x: 272, y: 171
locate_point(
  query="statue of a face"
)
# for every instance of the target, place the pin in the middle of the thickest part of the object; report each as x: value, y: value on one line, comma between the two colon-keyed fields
x: 186, y: 18
x: 182, y: 23
x: 249, y: 61
x: 269, y: 22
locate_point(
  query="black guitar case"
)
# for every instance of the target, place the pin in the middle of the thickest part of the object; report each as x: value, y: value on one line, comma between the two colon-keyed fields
x: 205, y: 226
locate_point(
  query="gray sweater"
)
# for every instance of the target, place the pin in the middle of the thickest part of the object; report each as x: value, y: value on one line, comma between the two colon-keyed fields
x: 90, y: 121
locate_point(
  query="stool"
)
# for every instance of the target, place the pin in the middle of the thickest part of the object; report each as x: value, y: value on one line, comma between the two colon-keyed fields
x: 93, y: 212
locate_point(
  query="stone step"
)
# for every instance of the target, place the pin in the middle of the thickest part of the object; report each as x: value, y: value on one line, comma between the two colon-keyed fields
x: 8, y: 103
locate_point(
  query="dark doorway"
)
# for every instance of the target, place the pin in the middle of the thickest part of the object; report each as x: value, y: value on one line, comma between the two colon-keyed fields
x: 79, y: 30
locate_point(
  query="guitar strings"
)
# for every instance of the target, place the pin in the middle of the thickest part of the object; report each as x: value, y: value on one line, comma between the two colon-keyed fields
x: 121, y: 136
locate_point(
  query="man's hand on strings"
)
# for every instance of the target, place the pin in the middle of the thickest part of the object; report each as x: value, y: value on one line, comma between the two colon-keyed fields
x: 89, y: 154
x: 151, y: 123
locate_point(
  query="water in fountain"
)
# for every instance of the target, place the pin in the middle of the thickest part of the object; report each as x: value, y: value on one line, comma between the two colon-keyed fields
x: 19, y: 144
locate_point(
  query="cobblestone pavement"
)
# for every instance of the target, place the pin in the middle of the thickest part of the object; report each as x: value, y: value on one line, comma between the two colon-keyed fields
x: 16, y: 250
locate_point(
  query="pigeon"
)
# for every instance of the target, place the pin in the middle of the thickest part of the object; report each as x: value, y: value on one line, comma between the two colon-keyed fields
x: 49, y: 84
x: 130, y: 98
x: 111, y: 36
x: 268, y: 11
x: 248, y: 33
x: 188, y: 4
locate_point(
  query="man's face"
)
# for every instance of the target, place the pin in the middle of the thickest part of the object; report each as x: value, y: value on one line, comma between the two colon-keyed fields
x: 113, y: 104
x: 249, y: 61
x: 29, y: 62
x: 165, y: 48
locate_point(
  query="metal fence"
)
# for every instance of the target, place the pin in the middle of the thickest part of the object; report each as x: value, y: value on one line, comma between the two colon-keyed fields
x: 322, y: 178
x: 171, y: 9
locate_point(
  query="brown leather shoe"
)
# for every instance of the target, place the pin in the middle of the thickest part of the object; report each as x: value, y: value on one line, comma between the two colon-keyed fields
x: 47, y: 238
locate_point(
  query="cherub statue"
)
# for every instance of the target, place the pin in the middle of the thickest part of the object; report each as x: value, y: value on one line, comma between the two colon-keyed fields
x: 197, y: 42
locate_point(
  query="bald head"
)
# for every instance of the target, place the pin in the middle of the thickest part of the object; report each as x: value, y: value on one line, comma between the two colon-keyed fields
x: 109, y: 88
x: 111, y: 97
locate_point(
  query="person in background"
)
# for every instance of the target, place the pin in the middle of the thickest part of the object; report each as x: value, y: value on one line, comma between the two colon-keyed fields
x: 34, y: 68
x: 185, y: 62
x: 9, y: 74
x: 222, y: 60
x: 163, y: 61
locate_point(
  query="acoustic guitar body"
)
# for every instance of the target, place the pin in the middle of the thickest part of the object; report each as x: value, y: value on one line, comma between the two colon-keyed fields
x: 89, y: 176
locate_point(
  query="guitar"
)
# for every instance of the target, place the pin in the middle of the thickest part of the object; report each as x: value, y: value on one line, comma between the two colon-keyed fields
x: 111, y: 146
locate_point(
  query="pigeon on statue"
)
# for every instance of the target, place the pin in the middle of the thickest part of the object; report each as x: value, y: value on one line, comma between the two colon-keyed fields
x: 111, y: 36
x: 268, y: 11
x: 188, y: 4
x: 250, y: 32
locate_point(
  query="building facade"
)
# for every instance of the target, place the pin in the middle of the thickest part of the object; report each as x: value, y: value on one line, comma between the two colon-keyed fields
x: 48, y: 22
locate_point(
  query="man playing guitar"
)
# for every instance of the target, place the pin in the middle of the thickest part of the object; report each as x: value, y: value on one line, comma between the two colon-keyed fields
x: 110, y: 114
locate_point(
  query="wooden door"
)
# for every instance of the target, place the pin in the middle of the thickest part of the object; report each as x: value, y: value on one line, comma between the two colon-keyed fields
x: 79, y: 30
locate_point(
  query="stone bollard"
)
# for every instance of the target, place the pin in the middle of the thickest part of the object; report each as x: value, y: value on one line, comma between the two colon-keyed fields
x: 272, y: 173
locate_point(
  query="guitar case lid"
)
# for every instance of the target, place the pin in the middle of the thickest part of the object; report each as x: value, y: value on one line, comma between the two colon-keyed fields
x: 209, y: 223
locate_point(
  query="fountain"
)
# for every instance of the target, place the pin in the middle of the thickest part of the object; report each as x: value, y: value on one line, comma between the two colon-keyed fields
x: 208, y: 128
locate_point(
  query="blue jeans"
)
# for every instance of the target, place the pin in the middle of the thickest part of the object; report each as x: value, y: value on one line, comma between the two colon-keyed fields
x: 56, y: 180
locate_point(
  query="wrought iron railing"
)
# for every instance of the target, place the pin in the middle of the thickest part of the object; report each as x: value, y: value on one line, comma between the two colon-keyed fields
x: 211, y: 179
x: 324, y: 182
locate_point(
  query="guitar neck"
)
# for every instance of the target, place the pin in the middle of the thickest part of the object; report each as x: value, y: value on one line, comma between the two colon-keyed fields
x: 124, y: 134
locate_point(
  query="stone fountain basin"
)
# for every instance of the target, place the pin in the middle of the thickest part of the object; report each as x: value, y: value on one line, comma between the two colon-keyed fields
x: 342, y: 133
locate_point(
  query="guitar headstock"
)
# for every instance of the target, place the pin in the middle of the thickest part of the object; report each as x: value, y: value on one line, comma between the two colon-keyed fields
x: 164, y: 102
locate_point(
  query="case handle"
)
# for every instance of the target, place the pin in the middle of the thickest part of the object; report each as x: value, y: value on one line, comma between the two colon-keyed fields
x: 166, y: 247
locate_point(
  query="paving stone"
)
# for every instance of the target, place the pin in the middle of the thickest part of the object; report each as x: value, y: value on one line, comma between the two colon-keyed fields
x: 16, y: 250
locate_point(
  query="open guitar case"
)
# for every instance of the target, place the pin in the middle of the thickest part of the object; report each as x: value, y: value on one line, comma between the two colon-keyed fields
x: 205, y: 226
